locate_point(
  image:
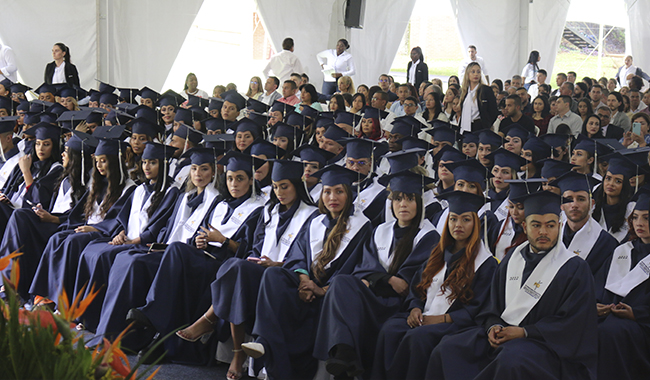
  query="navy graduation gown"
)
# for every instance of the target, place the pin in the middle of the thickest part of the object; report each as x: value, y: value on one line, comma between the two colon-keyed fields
x: 352, y: 312
x: 40, y: 191
x: 549, y: 352
x: 133, y: 270
x: 96, y: 259
x: 286, y: 325
x: 57, y: 269
x: 27, y: 233
x: 600, y: 245
x: 623, y: 348
x: 180, y: 290
x: 234, y: 291
x: 402, y: 351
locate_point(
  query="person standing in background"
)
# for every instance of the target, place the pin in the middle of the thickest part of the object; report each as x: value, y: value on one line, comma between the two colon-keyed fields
x: 529, y: 73
x: 61, y: 70
x: 471, y: 50
x: 8, y: 66
x: 284, y: 63
x: 417, y: 71
x: 338, y: 60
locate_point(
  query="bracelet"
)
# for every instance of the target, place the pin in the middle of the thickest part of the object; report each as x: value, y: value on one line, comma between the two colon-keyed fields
x: 444, y: 316
x: 226, y: 243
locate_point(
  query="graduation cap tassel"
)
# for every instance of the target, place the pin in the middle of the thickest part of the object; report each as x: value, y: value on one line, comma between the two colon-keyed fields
x: 120, y: 159
x: 595, y: 158
x: 590, y: 200
x: 166, y: 169
x: 83, y: 165
x: 216, y: 175
x: 253, y: 193
x: 636, y: 180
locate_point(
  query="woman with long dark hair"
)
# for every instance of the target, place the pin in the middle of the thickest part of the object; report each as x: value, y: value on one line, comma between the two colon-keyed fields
x: 290, y: 298
x: 584, y: 156
x: 529, y: 73
x: 613, y: 205
x: 186, y: 271
x: 358, y: 103
x: 621, y: 306
x: 29, y: 229
x: 479, y: 106
x: 356, y: 306
x: 433, y: 108
x: 337, y: 103
x: 234, y: 292
x: 32, y: 181
x: 445, y: 295
x: 370, y: 125
x: 92, y: 219
x: 143, y: 216
x: 506, y: 165
x: 591, y: 127
x: 585, y: 108
x: 61, y: 70
x: 541, y: 114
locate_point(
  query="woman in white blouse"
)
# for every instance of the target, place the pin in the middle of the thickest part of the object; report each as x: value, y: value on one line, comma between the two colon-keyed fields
x: 338, y: 60
x: 529, y: 73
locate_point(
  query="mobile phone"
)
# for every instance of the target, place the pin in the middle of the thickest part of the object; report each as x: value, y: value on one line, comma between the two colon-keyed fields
x: 636, y: 128
x: 157, y: 247
x: 253, y: 259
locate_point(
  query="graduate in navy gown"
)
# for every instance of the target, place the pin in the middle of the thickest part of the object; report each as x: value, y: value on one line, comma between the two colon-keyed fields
x: 624, y: 305
x: 538, y: 323
x: 29, y: 229
x: 313, y: 159
x: 134, y: 268
x: 9, y: 152
x: 234, y: 292
x: 446, y: 294
x: 290, y: 297
x: 510, y: 233
x: 180, y: 290
x: 143, y: 216
x: 370, y: 194
x: 446, y: 155
x: 534, y: 151
x: 95, y: 218
x: 264, y: 150
x: 506, y: 165
x: 581, y: 234
x: 32, y: 181
x: 143, y: 130
x: 356, y: 306
x: 613, y: 196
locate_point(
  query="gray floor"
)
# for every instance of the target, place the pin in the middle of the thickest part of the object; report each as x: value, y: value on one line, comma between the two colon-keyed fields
x: 179, y: 372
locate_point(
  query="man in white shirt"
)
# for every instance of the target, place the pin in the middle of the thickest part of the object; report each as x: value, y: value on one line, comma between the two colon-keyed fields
x: 636, y: 104
x: 471, y: 50
x: 270, y: 94
x: 565, y: 116
x: 533, y: 90
x: 559, y: 81
x: 596, y: 95
x: 8, y: 66
x: 397, y: 107
x: 284, y: 63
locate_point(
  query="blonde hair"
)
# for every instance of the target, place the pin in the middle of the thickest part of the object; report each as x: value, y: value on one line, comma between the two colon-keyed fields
x: 260, y: 87
x: 347, y: 80
x: 465, y: 87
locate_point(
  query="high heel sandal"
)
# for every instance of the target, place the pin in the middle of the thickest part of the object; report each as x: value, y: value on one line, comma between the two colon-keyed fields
x: 205, y: 337
x: 235, y: 375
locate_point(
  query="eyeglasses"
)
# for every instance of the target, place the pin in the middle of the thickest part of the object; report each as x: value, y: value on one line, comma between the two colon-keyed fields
x: 253, y: 82
x: 352, y: 162
x: 383, y: 80
x: 409, y: 105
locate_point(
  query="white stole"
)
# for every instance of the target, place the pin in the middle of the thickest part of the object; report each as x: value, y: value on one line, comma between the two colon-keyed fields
x: 502, y: 211
x: 96, y: 217
x: 273, y: 249
x: 521, y: 299
x: 505, y: 240
x: 440, y: 226
x: 621, y: 278
x: 437, y: 301
x: 238, y: 217
x: 266, y: 192
x: 314, y: 193
x: 186, y: 224
x: 139, y: 216
x: 367, y: 195
x: 583, y: 241
x: 317, y: 235
x: 63, y: 199
x: 383, y: 238
x: 8, y: 167
x: 180, y: 178
x: 19, y: 195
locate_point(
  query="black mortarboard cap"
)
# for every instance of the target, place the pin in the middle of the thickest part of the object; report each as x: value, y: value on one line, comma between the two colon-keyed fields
x: 235, y: 161
x: 406, y: 182
x: 505, y: 158
x: 156, y: 151
x: 312, y: 153
x: 520, y: 188
x: 461, y: 202
x: 468, y: 170
x: 574, y: 181
x: 147, y: 93
x: 333, y: 175
x: 235, y: 98
x: 541, y: 203
x: 128, y: 94
x: 286, y: 169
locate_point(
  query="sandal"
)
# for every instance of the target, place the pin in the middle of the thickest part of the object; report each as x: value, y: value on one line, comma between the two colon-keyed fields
x: 232, y: 374
x: 203, y: 337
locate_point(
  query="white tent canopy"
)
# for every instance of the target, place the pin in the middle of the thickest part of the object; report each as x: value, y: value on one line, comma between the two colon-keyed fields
x: 136, y: 43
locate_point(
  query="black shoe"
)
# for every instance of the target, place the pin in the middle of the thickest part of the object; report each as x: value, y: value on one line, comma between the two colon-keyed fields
x: 153, y: 353
x: 140, y: 319
x: 343, y: 363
